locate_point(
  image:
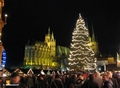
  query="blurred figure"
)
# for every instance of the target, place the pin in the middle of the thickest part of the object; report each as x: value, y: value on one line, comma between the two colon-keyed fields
x: 110, y: 75
x: 67, y: 81
x: 90, y: 83
x: 42, y: 82
x: 30, y: 83
x: 80, y: 81
x: 1, y: 82
x: 23, y: 80
x: 118, y: 79
x: 98, y: 79
x: 15, y: 81
x: 35, y: 81
x: 57, y: 82
x: 107, y: 82
x: 73, y: 81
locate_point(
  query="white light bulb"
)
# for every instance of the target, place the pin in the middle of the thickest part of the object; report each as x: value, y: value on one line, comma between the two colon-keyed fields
x: 6, y: 15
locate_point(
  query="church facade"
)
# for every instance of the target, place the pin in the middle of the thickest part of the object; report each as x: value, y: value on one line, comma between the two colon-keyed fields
x: 43, y: 54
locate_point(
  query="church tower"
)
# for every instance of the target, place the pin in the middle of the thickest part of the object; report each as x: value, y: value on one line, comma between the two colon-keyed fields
x: 2, y: 23
x: 53, y: 45
x: 94, y: 43
x: 47, y: 38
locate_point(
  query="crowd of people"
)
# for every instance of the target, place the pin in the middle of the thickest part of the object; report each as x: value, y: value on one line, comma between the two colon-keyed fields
x: 67, y: 80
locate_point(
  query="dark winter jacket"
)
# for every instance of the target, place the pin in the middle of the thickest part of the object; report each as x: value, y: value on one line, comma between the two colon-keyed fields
x: 57, y: 83
x: 118, y: 80
x: 90, y: 84
x: 42, y: 84
x: 30, y: 83
x: 67, y: 82
x: 115, y: 83
x: 108, y: 84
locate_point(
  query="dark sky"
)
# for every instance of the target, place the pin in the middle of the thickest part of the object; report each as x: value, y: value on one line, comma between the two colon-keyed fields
x: 30, y: 19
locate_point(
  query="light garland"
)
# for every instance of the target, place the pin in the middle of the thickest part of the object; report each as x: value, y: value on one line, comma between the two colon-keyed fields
x: 81, y: 55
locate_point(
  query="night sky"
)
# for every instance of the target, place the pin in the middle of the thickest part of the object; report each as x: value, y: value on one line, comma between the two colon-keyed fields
x: 30, y: 19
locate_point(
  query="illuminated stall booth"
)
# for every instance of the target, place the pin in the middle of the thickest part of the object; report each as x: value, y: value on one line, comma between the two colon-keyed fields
x: 6, y: 73
x: 21, y: 73
x: 30, y: 72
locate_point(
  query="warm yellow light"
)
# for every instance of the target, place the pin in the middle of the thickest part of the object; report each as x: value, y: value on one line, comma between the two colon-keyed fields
x: 54, y: 64
x: 7, y: 81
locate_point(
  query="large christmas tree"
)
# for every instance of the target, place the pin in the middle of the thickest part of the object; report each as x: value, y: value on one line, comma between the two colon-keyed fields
x: 81, y: 55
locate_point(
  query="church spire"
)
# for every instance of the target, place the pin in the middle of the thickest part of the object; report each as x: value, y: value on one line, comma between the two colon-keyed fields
x: 86, y: 24
x: 49, y: 31
x: 80, y: 15
x: 93, y: 34
x: 52, y: 37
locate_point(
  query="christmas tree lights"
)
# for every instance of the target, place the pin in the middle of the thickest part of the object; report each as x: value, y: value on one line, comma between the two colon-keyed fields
x: 81, y: 55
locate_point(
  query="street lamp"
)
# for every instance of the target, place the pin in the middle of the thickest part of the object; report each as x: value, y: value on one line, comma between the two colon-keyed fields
x: 6, y: 15
x: 6, y: 18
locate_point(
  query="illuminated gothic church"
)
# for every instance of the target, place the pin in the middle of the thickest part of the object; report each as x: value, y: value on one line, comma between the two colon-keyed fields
x: 43, y: 54
x: 94, y: 44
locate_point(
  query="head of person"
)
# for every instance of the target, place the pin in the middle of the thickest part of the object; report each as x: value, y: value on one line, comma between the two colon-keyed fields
x: 15, y: 78
x: 118, y: 75
x: 57, y: 76
x: 67, y: 75
x: 110, y: 74
x: 81, y: 77
x: 105, y: 77
x: 96, y: 74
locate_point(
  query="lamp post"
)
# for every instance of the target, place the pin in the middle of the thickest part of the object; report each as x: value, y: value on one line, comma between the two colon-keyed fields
x: 6, y: 18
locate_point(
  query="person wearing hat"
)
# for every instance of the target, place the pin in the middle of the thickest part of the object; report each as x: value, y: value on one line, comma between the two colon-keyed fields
x: 15, y: 81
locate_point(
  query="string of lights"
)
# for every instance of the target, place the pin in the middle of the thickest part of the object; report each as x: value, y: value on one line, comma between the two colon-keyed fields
x: 81, y: 55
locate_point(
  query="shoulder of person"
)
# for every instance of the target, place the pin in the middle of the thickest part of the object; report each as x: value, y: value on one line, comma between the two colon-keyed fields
x: 110, y: 85
x: 58, y: 79
x: 22, y: 85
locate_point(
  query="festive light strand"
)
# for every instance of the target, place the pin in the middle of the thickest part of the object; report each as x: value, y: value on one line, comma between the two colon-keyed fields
x: 81, y: 54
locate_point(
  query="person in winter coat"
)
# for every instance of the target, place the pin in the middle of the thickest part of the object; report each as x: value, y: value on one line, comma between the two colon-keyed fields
x: 107, y: 82
x: 30, y: 83
x: 118, y: 79
x: 90, y: 83
x: 42, y: 82
x: 115, y: 83
x: 67, y: 81
x: 57, y: 82
x: 73, y: 81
